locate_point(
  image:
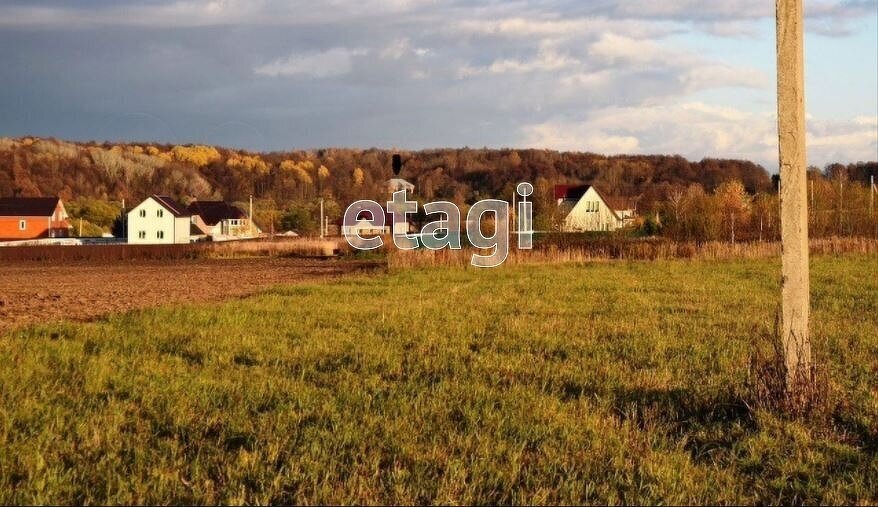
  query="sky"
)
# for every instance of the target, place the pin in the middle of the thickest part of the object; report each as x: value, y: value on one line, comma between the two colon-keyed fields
x: 637, y: 76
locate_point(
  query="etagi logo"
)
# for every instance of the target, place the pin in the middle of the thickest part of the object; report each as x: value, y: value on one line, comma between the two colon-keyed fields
x: 445, y: 231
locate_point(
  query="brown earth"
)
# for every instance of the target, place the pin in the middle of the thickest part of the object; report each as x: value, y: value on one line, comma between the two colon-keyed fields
x: 32, y: 292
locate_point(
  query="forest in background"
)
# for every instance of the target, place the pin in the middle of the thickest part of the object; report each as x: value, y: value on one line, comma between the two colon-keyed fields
x: 705, y: 200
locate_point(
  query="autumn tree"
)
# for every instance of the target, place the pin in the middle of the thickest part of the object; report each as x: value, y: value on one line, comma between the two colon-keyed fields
x: 766, y: 209
x: 198, y: 155
x: 322, y: 176
x: 734, y: 204
x: 303, y: 175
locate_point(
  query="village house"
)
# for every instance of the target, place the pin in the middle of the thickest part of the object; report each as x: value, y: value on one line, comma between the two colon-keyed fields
x: 24, y: 218
x: 222, y: 221
x: 159, y: 220
x: 583, y: 208
x: 397, y: 184
x: 364, y: 228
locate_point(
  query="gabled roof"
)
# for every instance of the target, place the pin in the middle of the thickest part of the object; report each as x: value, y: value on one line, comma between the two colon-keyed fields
x: 28, y: 206
x: 571, y: 191
x: 399, y: 183
x: 214, y: 212
x: 574, y: 193
x: 176, y: 209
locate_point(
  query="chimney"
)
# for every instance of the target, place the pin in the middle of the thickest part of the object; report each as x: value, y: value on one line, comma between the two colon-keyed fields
x: 397, y: 164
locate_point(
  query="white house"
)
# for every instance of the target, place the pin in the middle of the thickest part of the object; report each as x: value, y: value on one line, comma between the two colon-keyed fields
x: 159, y: 220
x: 222, y: 221
x: 364, y: 226
x: 397, y: 184
x: 583, y: 208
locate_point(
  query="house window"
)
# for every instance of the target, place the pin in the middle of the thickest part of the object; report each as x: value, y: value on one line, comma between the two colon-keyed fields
x: 22, y: 225
x: 143, y: 213
x: 160, y: 235
x: 141, y: 234
x: 160, y: 213
x: 234, y: 222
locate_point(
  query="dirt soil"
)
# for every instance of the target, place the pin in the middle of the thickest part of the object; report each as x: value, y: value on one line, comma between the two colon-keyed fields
x: 32, y: 292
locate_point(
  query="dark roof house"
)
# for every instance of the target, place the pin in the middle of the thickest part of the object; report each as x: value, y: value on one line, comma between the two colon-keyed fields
x: 214, y: 212
x: 26, y: 218
x: 176, y: 209
x: 28, y: 206
x: 570, y: 191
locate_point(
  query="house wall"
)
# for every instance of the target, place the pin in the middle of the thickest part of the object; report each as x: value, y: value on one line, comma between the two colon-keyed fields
x: 364, y: 228
x: 35, y: 227
x: 182, y: 229
x: 591, y: 213
x: 175, y: 230
x: 242, y: 230
x: 55, y: 226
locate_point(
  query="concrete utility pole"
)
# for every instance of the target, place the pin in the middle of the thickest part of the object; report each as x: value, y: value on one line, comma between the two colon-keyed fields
x: 250, y: 218
x: 321, y: 218
x: 795, y: 281
x: 871, y: 195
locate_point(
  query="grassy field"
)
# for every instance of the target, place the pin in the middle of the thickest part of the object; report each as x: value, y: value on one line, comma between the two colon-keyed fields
x: 613, y: 382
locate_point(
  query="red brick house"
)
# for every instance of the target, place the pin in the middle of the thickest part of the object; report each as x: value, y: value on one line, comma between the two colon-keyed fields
x: 33, y: 218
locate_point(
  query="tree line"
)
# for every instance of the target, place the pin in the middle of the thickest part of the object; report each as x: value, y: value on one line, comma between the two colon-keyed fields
x: 698, y: 200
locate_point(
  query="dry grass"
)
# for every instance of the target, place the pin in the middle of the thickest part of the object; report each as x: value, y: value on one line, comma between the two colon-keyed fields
x: 629, y: 250
x: 299, y: 247
x: 809, y: 397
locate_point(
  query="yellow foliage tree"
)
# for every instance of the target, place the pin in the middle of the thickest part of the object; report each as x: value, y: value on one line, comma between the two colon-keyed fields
x: 734, y: 202
x: 323, y: 172
x: 198, y: 155
x: 359, y: 176
x: 252, y: 163
x: 303, y: 176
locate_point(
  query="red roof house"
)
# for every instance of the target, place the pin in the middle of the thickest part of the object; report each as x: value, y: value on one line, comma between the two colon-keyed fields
x: 23, y: 218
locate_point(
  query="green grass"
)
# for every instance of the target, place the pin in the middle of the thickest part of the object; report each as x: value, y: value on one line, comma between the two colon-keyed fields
x: 602, y: 383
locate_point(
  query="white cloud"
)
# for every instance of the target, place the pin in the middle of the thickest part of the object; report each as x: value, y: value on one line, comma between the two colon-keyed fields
x: 719, y: 75
x: 333, y: 62
x: 694, y: 72
x: 612, y: 76
x: 548, y: 59
x: 611, y: 48
x: 564, y: 135
x: 193, y: 13
x: 647, y: 18
x: 396, y: 49
x: 696, y: 130
x: 400, y: 48
x: 558, y: 28
x: 844, y: 140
